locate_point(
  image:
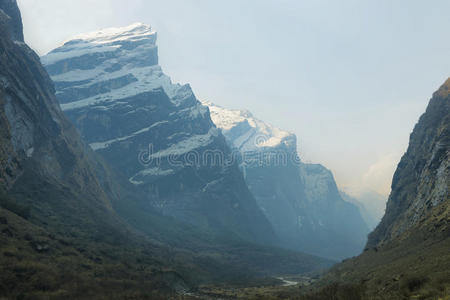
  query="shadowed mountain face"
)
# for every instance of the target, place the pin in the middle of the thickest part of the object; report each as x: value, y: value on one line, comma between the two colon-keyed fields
x: 301, y: 200
x: 13, y: 19
x: 153, y: 132
x: 408, y: 255
x: 422, y: 179
x: 55, y: 214
x: 39, y: 147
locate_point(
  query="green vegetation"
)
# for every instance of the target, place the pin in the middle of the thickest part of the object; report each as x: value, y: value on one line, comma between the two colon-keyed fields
x: 20, y: 209
x: 38, y: 264
x: 414, y: 266
x: 63, y: 249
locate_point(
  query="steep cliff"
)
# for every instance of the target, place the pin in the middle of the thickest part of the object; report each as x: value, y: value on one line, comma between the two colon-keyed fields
x: 422, y: 179
x: 407, y: 255
x: 40, y: 148
x: 12, y: 19
x: 301, y: 200
x: 154, y: 132
x: 56, y: 217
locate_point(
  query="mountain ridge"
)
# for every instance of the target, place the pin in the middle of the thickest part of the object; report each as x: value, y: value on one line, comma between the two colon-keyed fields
x: 301, y: 200
x: 155, y: 132
x: 422, y: 179
x: 407, y: 254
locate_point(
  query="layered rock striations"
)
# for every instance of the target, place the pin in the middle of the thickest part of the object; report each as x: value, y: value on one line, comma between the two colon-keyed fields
x: 154, y: 132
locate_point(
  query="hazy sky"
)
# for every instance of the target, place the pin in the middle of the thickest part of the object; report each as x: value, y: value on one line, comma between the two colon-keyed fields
x: 350, y: 78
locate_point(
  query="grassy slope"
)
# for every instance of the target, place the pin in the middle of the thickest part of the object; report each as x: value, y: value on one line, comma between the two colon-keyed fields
x: 38, y: 264
x: 76, y: 251
x: 216, y: 257
x: 416, y: 266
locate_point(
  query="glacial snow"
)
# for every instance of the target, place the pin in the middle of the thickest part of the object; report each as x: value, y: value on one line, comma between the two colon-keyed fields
x: 124, y: 61
x: 103, y: 145
x: 148, y: 79
x: 248, y: 133
x: 187, y: 145
x: 101, y: 41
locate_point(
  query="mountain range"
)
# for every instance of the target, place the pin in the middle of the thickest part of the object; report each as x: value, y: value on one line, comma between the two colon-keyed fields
x: 301, y: 200
x: 72, y: 226
x: 168, y: 145
x: 152, y: 131
x: 116, y: 183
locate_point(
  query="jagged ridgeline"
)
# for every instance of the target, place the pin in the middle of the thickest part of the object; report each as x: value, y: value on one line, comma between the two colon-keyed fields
x: 154, y: 132
x: 65, y: 215
x: 301, y: 200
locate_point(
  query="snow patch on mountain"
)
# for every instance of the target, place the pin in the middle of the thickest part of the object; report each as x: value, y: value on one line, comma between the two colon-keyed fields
x: 150, y: 172
x: 187, y: 145
x: 246, y: 132
x: 98, y: 61
x: 134, y: 32
x: 103, y: 145
x: 148, y: 79
x: 101, y: 41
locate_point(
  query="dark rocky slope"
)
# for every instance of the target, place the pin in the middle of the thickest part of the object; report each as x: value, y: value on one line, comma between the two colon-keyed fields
x: 408, y: 255
x: 13, y: 19
x: 422, y: 179
x: 57, y: 222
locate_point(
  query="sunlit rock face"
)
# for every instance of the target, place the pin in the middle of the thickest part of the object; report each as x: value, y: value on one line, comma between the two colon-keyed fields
x: 154, y: 132
x: 301, y: 200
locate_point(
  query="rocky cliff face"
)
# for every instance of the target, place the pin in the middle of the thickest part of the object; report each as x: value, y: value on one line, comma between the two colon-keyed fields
x: 38, y: 143
x: 301, y: 200
x: 55, y: 215
x: 154, y: 132
x: 407, y: 255
x: 422, y: 179
x: 12, y: 19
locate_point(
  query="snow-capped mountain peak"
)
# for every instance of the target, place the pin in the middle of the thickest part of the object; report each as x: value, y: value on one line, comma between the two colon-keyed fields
x: 104, y: 41
x: 248, y: 133
x: 132, y: 32
x: 300, y: 200
x: 159, y: 136
x: 123, y: 61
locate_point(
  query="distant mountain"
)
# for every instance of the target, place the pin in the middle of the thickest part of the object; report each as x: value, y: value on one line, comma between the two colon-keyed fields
x: 152, y: 131
x: 370, y: 206
x: 407, y: 255
x: 301, y: 200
